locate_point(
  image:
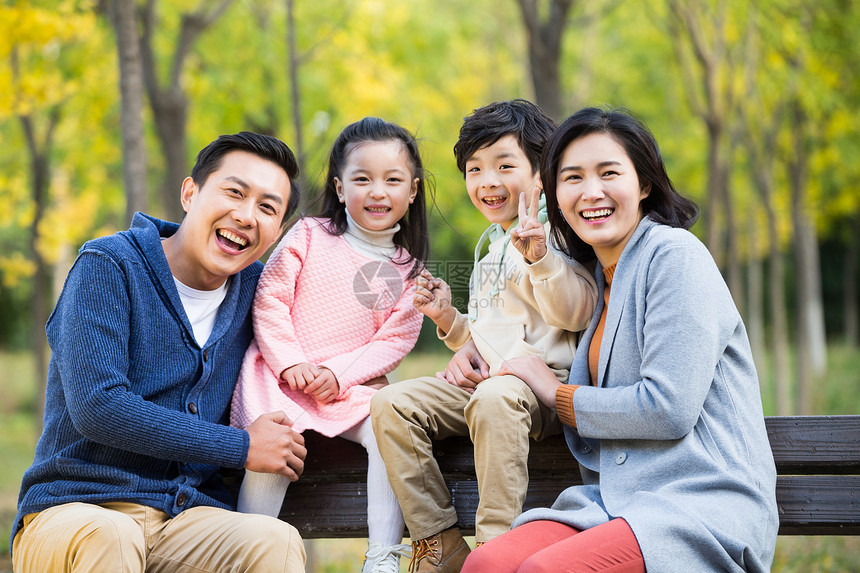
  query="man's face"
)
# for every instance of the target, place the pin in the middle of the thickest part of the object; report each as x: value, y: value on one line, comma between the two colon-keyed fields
x: 230, y: 220
x: 495, y: 177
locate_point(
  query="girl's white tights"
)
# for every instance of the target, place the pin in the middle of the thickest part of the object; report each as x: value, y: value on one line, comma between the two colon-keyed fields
x: 264, y: 493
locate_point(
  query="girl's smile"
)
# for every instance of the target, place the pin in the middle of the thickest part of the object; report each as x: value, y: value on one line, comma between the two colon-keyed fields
x: 377, y: 185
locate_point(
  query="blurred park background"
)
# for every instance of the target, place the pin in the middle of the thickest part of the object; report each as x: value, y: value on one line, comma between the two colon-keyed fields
x: 756, y: 106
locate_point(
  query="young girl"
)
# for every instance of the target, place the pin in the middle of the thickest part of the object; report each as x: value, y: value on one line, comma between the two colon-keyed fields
x: 333, y: 315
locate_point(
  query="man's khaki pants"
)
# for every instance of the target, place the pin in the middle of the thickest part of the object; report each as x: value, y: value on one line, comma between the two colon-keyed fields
x: 124, y: 537
x: 499, y: 418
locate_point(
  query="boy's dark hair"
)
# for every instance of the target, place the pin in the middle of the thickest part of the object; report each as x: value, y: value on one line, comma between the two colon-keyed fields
x: 663, y: 204
x: 413, y: 235
x: 486, y: 125
x: 270, y: 148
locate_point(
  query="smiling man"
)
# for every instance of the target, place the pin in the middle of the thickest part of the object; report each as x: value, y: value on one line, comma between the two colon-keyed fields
x: 147, y: 338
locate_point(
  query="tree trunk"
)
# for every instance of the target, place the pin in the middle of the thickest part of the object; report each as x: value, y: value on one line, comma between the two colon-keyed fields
x: 293, y: 64
x: 40, y: 175
x: 169, y: 110
x: 169, y: 104
x: 713, y: 236
x: 812, y: 350
x: 124, y: 21
x: 850, y: 304
x: 544, y: 48
x: 761, y: 158
x: 755, y: 305
x: 732, y: 258
x: 779, y: 325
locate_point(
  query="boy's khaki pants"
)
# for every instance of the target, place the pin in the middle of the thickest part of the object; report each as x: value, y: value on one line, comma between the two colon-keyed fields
x: 125, y: 537
x: 499, y: 418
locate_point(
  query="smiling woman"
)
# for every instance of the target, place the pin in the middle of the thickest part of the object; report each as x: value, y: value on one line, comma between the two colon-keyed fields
x: 599, y: 194
x: 662, y: 410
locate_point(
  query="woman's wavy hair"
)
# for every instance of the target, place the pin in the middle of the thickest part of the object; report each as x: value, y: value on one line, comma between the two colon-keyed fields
x: 663, y: 204
x: 413, y: 235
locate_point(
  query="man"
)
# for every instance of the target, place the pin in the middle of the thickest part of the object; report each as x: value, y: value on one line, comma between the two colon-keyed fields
x: 147, y: 339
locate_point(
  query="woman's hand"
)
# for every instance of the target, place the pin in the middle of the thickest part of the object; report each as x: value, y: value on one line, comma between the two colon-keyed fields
x: 466, y: 369
x: 529, y: 237
x: 534, y: 372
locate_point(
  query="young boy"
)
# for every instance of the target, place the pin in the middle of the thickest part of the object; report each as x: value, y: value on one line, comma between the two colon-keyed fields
x: 513, y: 311
x: 147, y: 338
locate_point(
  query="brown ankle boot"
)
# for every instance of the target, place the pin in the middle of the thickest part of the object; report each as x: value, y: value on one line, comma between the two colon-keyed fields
x: 444, y: 552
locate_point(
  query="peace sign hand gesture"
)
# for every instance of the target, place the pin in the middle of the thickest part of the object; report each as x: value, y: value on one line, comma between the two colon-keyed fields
x: 529, y: 237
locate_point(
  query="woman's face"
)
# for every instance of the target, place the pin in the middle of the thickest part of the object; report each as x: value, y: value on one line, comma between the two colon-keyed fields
x: 599, y: 194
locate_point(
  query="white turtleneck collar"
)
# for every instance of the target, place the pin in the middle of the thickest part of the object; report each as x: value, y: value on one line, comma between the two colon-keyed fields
x: 378, y: 245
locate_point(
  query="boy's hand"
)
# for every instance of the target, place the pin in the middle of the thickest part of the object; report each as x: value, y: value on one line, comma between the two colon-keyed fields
x: 299, y: 375
x: 536, y: 374
x: 275, y: 447
x: 529, y: 237
x: 433, y: 298
x: 324, y: 387
x: 466, y: 369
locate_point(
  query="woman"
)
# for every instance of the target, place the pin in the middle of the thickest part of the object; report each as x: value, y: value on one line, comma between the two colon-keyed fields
x: 662, y: 409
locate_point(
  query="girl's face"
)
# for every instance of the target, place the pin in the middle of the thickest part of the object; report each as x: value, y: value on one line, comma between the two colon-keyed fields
x: 377, y: 185
x: 599, y: 194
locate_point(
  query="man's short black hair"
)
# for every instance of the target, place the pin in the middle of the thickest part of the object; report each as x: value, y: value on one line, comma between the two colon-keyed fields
x: 270, y: 148
x: 486, y: 125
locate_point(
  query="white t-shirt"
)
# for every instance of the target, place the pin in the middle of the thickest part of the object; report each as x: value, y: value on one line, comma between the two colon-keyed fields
x: 201, y: 307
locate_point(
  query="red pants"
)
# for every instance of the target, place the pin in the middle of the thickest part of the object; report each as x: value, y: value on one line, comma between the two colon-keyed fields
x: 552, y: 547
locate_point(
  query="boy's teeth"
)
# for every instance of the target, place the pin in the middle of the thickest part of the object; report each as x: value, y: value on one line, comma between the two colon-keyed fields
x: 231, y: 237
x: 494, y: 200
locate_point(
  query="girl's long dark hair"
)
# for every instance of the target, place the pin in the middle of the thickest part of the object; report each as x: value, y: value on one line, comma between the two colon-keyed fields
x: 413, y: 235
x: 663, y: 204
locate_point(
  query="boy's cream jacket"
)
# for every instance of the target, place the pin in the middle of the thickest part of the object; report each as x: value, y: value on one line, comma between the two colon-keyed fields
x: 527, y: 309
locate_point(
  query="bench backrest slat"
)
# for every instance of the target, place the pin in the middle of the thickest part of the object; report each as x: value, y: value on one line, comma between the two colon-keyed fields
x: 815, y: 444
x: 817, y: 459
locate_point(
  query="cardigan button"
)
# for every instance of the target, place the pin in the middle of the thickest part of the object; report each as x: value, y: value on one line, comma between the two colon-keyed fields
x: 181, y: 499
x: 621, y: 458
x: 192, y: 407
x: 205, y: 355
x: 586, y: 449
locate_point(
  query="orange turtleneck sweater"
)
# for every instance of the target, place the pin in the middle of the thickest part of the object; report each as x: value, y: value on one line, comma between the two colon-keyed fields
x: 564, y: 393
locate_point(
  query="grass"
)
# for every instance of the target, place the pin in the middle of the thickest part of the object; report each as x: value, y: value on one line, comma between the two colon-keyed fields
x: 838, y: 394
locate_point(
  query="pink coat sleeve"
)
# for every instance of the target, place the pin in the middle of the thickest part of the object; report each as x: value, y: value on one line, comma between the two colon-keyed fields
x: 274, y: 300
x: 394, y: 339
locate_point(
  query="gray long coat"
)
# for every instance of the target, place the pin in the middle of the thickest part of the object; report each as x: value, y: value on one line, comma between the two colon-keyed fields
x: 673, y: 440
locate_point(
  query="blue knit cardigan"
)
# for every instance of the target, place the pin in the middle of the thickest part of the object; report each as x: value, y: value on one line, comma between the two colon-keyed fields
x: 135, y: 409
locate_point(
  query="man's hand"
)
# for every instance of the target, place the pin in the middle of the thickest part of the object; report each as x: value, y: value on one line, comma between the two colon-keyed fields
x: 529, y: 237
x: 275, y: 447
x: 300, y: 375
x: 433, y: 298
x: 466, y: 369
x: 536, y: 374
x: 324, y: 387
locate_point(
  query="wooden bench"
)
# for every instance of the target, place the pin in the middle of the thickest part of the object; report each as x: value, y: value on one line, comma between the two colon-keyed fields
x: 817, y: 462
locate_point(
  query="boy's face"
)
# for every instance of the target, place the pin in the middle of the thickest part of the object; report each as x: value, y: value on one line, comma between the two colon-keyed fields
x: 230, y: 220
x: 495, y: 177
